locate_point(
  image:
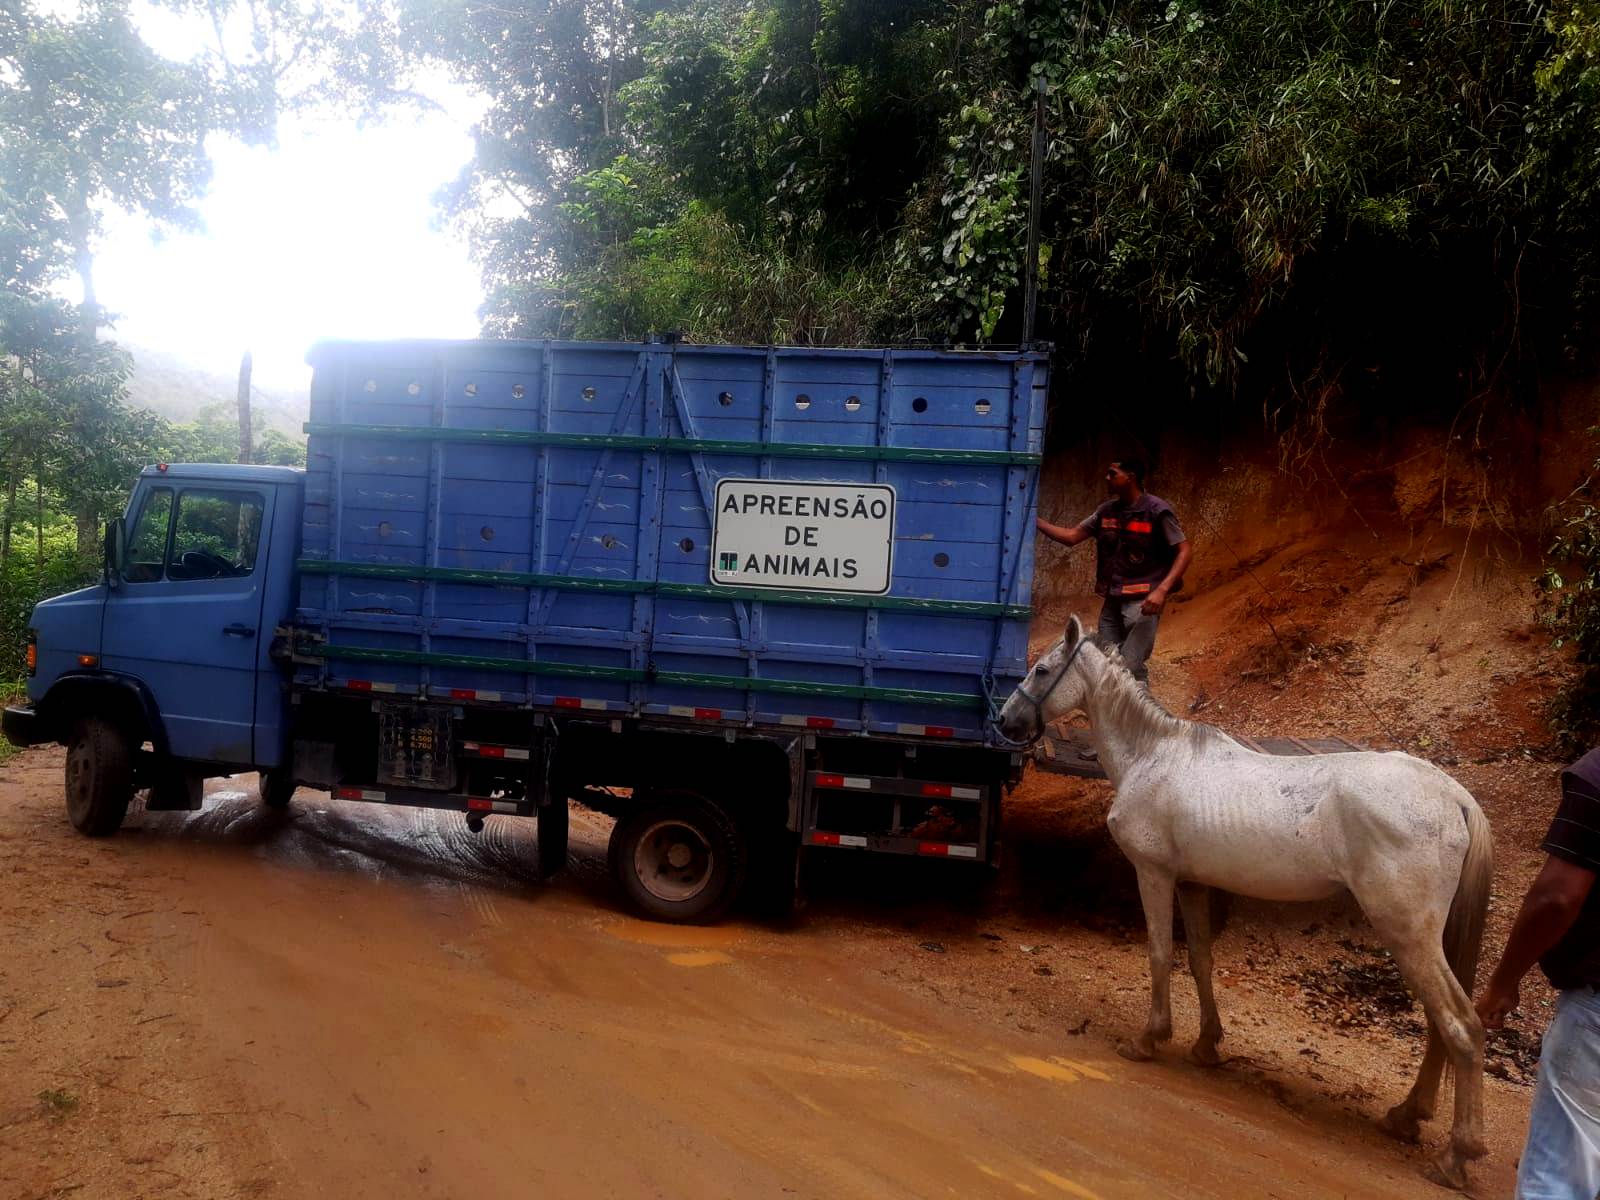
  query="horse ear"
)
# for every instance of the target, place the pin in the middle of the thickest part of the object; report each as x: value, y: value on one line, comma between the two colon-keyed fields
x: 1074, y: 632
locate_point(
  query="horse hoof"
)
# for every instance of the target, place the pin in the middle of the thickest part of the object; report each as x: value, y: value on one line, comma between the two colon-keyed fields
x: 1134, y: 1052
x: 1205, y: 1055
x: 1446, y: 1172
x: 1401, y: 1125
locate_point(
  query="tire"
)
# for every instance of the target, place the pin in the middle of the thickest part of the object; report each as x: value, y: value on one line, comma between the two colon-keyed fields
x: 99, y: 777
x: 277, y: 787
x: 552, y: 836
x: 679, y: 858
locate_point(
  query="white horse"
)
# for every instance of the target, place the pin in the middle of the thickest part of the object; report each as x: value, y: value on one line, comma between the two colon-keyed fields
x: 1196, y: 810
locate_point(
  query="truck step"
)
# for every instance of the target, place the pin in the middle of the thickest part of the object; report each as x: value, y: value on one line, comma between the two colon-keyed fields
x: 412, y: 798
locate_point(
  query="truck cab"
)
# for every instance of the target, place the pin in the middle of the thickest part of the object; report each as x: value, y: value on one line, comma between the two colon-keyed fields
x: 162, y: 674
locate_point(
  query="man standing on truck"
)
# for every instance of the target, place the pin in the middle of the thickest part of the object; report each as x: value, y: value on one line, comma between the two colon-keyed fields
x: 1558, y: 926
x: 1141, y: 553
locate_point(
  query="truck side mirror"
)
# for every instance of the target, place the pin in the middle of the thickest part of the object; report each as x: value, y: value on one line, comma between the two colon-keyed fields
x: 116, y: 551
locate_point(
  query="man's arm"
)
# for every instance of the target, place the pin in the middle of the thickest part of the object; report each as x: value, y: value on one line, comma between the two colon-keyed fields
x: 1067, y: 535
x: 1548, y: 911
x: 1157, y: 599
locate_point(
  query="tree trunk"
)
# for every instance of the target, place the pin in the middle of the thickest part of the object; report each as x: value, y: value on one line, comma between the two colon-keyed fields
x: 38, y: 516
x: 10, y: 517
x: 244, y: 408
x: 88, y: 537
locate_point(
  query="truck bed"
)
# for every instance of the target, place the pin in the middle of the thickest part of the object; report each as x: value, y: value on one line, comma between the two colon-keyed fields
x: 536, y: 523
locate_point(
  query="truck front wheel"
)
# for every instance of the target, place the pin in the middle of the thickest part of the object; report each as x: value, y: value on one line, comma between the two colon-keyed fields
x: 679, y: 858
x: 277, y: 786
x: 99, y: 776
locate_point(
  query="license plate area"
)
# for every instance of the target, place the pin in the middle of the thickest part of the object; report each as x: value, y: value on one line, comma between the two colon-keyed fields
x: 415, y: 747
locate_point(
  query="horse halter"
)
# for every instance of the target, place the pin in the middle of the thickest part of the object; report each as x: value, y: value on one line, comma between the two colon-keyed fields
x: 1038, y: 704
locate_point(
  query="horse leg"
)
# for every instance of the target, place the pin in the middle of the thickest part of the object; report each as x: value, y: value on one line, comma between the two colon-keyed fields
x: 1155, y: 892
x: 1195, y: 900
x: 1419, y: 953
x: 1404, y: 1120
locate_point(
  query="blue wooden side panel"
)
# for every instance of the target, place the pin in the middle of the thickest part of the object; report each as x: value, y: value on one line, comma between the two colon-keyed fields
x: 574, y: 483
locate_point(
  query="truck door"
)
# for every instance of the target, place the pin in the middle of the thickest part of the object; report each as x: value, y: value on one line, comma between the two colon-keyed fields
x: 187, y: 619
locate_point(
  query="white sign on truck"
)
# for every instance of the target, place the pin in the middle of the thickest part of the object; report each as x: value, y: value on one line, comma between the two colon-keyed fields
x: 803, y: 536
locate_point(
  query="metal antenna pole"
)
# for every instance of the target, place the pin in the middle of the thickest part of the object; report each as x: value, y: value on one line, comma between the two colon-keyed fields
x: 1035, y: 199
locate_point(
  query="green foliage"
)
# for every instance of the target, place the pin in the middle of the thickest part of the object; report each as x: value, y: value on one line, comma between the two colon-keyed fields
x: 1569, y: 588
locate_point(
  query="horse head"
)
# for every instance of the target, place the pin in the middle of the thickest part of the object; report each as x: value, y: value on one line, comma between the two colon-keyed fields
x: 1057, y: 685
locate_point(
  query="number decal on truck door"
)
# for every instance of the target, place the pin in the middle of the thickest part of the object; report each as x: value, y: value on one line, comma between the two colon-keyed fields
x: 802, y: 536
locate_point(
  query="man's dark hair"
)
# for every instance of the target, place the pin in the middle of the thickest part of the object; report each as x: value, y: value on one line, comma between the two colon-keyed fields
x: 1134, y: 467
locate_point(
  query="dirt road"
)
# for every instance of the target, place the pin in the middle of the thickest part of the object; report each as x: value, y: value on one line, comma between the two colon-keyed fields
x: 348, y: 1001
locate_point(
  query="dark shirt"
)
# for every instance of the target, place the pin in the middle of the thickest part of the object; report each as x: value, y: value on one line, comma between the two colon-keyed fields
x: 1574, y: 837
x: 1171, y: 531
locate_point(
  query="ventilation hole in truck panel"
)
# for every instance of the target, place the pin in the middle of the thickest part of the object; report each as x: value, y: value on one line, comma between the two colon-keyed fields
x: 802, y: 401
x: 982, y: 408
x: 920, y: 404
x: 609, y: 541
x: 588, y: 394
x: 471, y: 389
x: 413, y: 388
x: 852, y: 403
x: 487, y: 533
x: 518, y: 391
x: 687, y: 545
x: 725, y: 398
x: 941, y: 559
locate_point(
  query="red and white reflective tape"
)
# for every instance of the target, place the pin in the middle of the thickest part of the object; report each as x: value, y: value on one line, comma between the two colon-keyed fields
x: 952, y: 791
x: 472, y: 694
x: 939, y: 731
x: 819, y: 838
x: 494, y: 751
x: 350, y: 793
x: 694, y: 714
x: 806, y: 722
x: 368, y: 685
x: 480, y: 804
x: 947, y: 850
x: 854, y: 782
x: 578, y: 702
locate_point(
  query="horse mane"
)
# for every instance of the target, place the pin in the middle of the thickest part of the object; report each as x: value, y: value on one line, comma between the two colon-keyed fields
x: 1133, y: 707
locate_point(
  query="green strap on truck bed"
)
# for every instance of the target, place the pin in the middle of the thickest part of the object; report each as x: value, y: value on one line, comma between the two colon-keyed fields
x: 626, y: 441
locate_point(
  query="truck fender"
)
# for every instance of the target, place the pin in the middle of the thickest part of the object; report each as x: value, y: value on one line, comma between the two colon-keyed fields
x: 80, y: 692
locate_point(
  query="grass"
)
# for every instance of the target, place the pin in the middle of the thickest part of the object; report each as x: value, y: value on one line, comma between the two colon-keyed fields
x: 58, y: 1102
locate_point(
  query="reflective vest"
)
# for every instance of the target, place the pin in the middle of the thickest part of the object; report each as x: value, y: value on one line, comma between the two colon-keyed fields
x: 1131, y: 553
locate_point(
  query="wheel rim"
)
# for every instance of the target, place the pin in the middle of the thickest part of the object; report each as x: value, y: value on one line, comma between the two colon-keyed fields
x: 673, y: 861
x: 80, y: 770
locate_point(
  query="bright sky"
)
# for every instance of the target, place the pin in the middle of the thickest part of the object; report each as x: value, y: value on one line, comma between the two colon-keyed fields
x: 329, y: 234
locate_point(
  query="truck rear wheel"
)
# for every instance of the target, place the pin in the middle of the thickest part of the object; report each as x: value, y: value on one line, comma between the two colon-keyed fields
x: 99, y: 777
x: 679, y: 858
x: 552, y: 836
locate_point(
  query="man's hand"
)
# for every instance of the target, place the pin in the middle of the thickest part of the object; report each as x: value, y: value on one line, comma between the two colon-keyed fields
x: 1154, y: 602
x: 1497, y: 1000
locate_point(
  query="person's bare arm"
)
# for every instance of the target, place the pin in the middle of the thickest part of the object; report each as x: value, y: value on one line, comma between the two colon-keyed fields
x: 1067, y: 535
x: 1548, y: 910
x: 1157, y: 599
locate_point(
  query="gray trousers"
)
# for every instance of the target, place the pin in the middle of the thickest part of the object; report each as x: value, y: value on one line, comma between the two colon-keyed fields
x: 1131, y: 631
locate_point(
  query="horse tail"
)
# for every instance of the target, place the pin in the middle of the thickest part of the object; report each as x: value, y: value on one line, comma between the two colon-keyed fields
x: 1463, y: 930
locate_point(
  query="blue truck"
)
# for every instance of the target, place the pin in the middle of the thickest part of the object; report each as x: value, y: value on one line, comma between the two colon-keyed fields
x: 747, y: 600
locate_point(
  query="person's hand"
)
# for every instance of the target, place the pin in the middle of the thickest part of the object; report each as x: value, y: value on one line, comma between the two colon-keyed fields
x: 1497, y: 1000
x: 1154, y: 603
